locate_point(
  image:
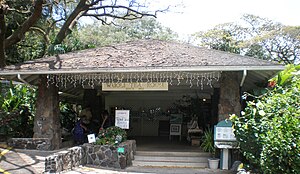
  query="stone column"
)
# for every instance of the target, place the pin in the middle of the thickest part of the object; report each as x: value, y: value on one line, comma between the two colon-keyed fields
x: 47, y: 121
x: 229, y: 101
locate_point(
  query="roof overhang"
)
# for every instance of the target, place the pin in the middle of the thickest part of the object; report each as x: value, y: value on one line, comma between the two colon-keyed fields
x: 144, y: 57
x: 143, y: 69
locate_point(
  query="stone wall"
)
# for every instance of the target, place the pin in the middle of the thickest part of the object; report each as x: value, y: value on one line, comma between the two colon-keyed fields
x: 30, y: 143
x: 98, y: 155
x: 107, y: 156
x: 64, y: 160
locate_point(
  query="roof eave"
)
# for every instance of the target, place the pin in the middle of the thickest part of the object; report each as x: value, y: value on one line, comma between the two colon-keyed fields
x: 149, y: 69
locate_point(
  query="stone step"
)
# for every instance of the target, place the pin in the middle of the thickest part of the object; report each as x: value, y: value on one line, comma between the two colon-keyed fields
x: 170, y: 164
x: 172, y: 154
x: 171, y: 158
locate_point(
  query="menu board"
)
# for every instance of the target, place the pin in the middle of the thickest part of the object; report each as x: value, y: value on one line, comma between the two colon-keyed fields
x: 225, y: 134
x: 122, y: 119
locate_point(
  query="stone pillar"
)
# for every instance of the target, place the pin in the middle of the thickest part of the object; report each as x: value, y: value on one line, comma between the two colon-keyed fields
x: 47, y: 121
x: 229, y: 101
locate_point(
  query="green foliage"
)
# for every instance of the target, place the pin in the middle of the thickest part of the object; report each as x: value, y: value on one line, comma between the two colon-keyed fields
x: 33, y: 43
x: 285, y: 77
x: 111, y: 136
x: 17, y: 110
x: 269, y: 128
x: 208, y: 142
x: 255, y: 36
x: 219, y: 38
x: 97, y: 34
x: 67, y: 115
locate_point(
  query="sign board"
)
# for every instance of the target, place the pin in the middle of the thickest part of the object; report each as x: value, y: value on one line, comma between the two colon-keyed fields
x: 223, y: 135
x: 122, y: 119
x: 135, y: 86
x: 121, y: 150
x: 91, y: 138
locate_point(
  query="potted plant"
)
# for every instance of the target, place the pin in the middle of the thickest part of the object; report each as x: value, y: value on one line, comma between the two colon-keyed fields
x: 208, y: 146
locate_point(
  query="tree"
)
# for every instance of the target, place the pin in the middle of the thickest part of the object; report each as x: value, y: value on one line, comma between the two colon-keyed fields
x: 61, y: 16
x: 97, y: 34
x: 257, y: 37
x: 280, y: 42
x: 222, y: 37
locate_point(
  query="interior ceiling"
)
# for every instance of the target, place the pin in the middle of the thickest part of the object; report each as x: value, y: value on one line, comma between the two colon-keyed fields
x: 74, y: 94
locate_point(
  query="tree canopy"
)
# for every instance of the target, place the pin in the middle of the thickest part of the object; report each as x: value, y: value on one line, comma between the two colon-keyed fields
x: 51, y: 21
x: 97, y: 34
x: 257, y: 37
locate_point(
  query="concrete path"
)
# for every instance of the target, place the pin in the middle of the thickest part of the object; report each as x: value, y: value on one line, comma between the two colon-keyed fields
x: 11, y: 162
x: 147, y: 170
x: 21, y: 161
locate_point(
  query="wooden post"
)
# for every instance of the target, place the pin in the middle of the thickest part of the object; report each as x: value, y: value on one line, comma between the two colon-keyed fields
x: 47, y: 121
x: 229, y: 101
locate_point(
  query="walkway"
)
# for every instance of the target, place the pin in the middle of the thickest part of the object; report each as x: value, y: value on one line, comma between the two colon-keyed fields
x: 15, y: 161
x: 20, y: 161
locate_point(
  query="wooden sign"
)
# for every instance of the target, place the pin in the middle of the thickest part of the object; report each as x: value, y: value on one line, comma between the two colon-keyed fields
x: 135, y: 86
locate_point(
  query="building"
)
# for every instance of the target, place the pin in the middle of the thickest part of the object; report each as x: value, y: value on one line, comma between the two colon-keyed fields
x: 153, y: 79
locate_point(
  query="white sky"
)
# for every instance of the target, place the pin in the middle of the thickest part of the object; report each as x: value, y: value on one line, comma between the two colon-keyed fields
x: 200, y: 15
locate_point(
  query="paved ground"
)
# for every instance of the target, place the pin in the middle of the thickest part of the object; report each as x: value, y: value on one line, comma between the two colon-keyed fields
x: 146, y: 170
x: 19, y: 161
x: 15, y: 161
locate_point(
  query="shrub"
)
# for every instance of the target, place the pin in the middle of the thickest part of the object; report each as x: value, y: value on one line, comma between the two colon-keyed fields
x: 111, y: 136
x: 269, y: 128
x: 208, y: 142
x: 17, y: 104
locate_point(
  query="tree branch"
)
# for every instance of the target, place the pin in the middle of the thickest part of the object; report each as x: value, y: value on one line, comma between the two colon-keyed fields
x: 121, y: 7
x: 19, y: 34
x: 65, y: 29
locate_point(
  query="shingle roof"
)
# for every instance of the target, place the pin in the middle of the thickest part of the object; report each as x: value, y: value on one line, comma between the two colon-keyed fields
x: 139, y: 54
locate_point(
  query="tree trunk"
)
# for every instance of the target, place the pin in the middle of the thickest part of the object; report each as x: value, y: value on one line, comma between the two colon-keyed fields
x: 47, y: 121
x: 229, y: 101
x: 3, y: 9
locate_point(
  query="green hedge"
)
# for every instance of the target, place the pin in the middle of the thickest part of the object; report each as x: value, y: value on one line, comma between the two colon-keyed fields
x: 269, y: 128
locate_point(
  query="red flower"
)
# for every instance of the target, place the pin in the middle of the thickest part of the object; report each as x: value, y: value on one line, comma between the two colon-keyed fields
x: 272, y: 84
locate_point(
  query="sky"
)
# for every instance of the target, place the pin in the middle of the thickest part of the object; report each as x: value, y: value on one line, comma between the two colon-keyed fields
x: 201, y: 15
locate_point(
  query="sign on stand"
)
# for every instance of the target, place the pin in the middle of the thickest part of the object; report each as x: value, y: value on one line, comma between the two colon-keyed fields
x: 224, y: 139
x: 122, y: 119
x: 224, y: 136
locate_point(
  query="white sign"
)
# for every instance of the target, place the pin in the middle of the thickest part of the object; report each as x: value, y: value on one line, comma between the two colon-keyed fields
x: 135, y: 86
x: 122, y: 119
x: 225, y: 133
x: 91, y: 138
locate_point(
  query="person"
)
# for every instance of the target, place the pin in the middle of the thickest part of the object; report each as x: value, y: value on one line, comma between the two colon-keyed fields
x: 106, y: 120
x: 81, y: 127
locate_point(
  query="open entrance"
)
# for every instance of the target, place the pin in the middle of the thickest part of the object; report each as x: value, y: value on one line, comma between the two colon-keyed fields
x: 164, y: 119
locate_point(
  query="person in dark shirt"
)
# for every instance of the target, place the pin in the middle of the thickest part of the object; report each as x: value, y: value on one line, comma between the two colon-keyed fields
x: 81, y: 127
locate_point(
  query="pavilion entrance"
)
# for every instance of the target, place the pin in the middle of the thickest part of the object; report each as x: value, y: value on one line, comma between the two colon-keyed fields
x: 156, y: 114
